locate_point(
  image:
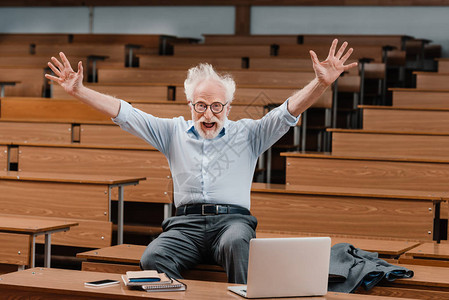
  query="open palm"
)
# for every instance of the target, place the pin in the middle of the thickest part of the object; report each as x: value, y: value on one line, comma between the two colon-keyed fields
x: 66, y: 77
x: 330, y: 69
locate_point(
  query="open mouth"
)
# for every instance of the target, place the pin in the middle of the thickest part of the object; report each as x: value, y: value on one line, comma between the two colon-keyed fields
x: 208, y: 125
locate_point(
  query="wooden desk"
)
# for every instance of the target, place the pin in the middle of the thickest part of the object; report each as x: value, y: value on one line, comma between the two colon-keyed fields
x: 69, y: 284
x: 108, y: 181
x: 34, y: 227
x: 5, y: 83
x: 429, y: 254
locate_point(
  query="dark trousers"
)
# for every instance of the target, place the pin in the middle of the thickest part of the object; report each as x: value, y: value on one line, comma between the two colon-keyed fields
x: 195, y: 239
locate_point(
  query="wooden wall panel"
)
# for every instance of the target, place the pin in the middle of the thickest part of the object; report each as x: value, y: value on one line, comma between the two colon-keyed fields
x: 30, y: 81
x: 431, y: 80
x: 406, y: 120
x: 184, y: 63
x: 48, y: 199
x: 402, y: 146
x: 15, y: 249
x: 28, y: 132
x: 203, y: 50
x: 146, y: 163
x: 343, y: 215
x: 367, y: 173
x: 49, y: 110
x: 3, y: 157
x: 110, y: 135
x: 91, y: 234
x: 126, y: 92
x: 420, y: 98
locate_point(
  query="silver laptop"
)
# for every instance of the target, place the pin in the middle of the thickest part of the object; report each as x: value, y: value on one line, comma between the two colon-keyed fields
x: 286, y: 267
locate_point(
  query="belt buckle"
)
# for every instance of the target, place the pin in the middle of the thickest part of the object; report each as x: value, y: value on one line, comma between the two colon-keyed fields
x: 203, y: 213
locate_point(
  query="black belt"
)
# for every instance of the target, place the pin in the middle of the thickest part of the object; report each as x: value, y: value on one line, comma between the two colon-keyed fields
x: 211, y: 209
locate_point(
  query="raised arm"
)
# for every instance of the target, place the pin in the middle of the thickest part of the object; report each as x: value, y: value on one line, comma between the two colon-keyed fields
x: 72, y: 82
x: 326, y: 73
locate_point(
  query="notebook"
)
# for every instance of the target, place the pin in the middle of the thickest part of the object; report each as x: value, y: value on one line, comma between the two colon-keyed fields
x: 286, y: 267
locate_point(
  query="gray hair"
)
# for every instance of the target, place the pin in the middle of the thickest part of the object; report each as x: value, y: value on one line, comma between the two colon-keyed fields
x: 203, y: 72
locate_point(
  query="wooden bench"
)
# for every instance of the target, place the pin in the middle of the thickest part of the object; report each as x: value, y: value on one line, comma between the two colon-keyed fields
x: 126, y: 257
x: 85, y: 199
x: 367, y: 172
x: 335, y: 210
x: 443, y: 65
x: 29, y: 80
x: 411, y: 119
x: 29, y: 108
x: 390, y: 144
x: 429, y: 254
x: 58, y: 283
x: 431, y: 80
x: 421, y: 98
x: 12, y: 230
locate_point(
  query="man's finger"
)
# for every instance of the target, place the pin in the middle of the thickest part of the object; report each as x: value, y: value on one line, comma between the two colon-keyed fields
x: 54, y: 69
x: 54, y: 78
x: 332, y: 48
x: 341, y: 50
x: 350, y: 66
x: 314, y: 57
x: 57, y: 63
x: 65, y: 61
x: 346, y: 56
x: 80, y: 68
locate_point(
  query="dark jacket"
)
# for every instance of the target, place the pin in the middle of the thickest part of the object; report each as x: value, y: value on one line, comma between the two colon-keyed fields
x: 351, y: 267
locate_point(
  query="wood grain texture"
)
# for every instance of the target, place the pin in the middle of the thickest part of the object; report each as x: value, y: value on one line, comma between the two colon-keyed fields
x: 406, y: 120
x: 254, y: 39
x: 443, y: 66
x: 363, y: 144
x: 431, y: 80
x: 54, y: 200
x: 23, y: 132
x: 286, y: 79
x: 48, y: 110
x: 88, y: 233
x: 109, y: 135
x: 367, y: 173
x: 30, y: 80
x: 420, y: 98
x: 322, y: 51
x: 142, y: 163
x: 430, y: 250
x: 184, y: 63
x: 127, y: 92
x: 108, y: 267
x: 3, y: 157
x: 341, y: 215
x: 354, y: 39
x: 15, y: 249
x: 30, y: 225
x: 115, y: 53
x: 201, y: 50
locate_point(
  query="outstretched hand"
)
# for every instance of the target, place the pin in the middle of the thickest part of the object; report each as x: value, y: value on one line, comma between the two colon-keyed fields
x: 329, y: 70
x: 66, y: 77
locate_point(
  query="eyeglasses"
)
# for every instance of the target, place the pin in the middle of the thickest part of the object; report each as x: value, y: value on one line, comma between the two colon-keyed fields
x: 216, y: 107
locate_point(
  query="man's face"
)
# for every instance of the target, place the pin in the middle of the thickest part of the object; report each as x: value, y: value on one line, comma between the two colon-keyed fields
x: 209, y: 124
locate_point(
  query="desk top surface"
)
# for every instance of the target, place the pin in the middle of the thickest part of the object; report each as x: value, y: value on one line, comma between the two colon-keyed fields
x: 59, y: 281
x: 26, y: 224
x: 431, y: 250
x: 69, y: 178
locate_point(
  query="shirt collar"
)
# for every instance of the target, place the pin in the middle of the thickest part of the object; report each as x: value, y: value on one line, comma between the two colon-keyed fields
x: 193, y: 132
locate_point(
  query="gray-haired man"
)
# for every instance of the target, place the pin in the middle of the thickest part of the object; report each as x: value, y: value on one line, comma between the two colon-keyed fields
x: 212, y: 161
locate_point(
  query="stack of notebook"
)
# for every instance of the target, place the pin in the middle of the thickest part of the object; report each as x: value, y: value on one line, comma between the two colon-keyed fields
x: 151, y: 280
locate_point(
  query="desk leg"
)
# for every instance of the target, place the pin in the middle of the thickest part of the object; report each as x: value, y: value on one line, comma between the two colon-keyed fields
x: 33, y: 251
x: 47, y: 257
x: 120, y: 216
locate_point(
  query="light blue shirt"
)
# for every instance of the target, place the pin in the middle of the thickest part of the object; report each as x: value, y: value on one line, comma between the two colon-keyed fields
x: 219, y: 170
